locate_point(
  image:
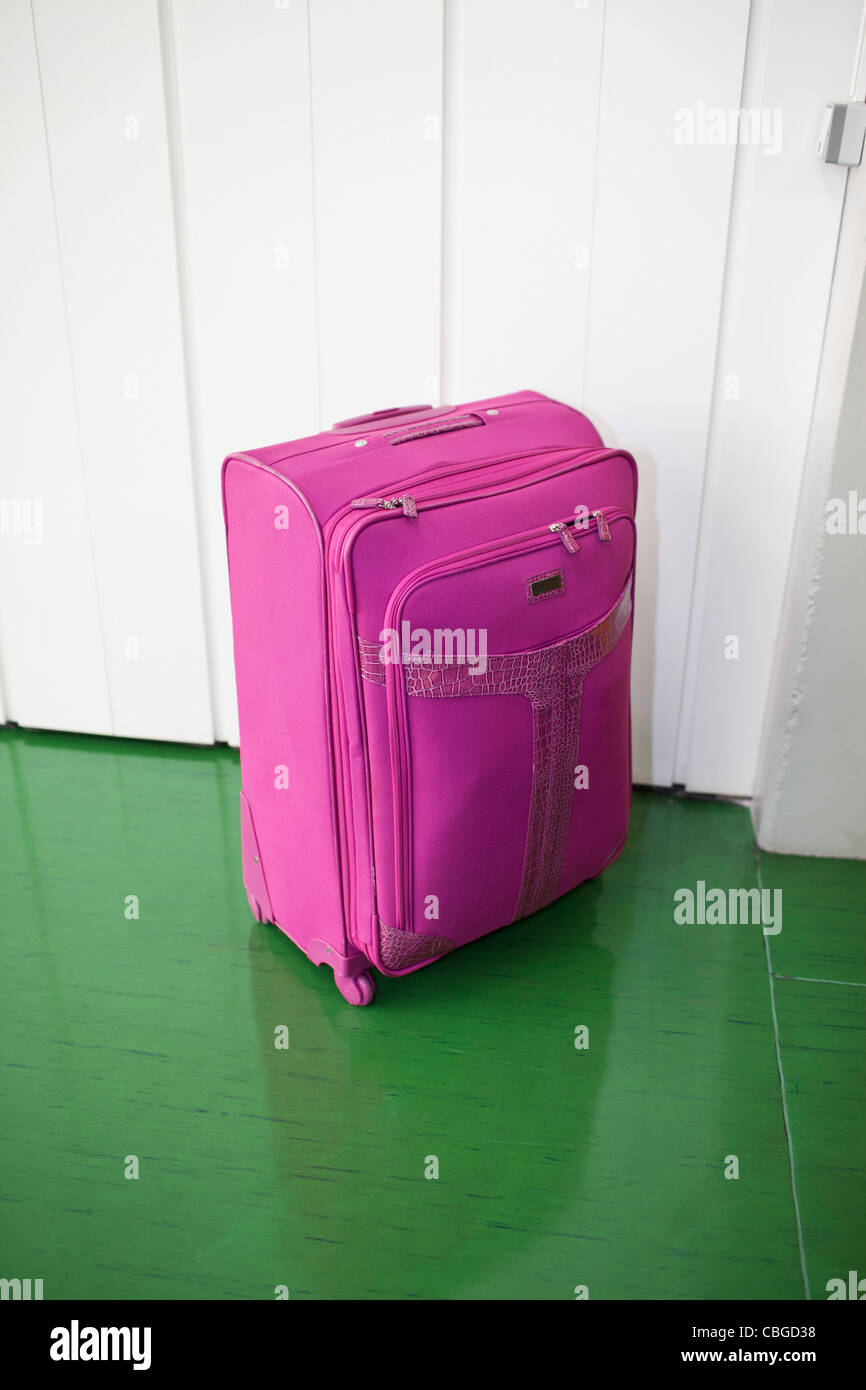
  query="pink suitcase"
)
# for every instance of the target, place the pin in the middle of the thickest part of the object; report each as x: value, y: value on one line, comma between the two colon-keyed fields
x: 432, y: 616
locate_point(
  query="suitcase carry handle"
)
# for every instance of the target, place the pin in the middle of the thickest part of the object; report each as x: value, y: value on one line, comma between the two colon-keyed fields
x: 403, y: 413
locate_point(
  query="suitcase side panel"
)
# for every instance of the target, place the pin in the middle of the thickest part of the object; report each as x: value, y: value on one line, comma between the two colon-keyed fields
x: 278, y: 616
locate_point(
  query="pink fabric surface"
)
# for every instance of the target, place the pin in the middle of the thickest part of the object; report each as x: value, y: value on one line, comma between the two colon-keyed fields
x: 400, y: 810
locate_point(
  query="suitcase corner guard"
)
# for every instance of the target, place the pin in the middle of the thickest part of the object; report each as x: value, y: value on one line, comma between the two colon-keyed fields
x: 404, y: 950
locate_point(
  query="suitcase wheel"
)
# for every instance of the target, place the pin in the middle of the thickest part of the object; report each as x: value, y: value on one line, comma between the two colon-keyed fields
x: 360, y: 990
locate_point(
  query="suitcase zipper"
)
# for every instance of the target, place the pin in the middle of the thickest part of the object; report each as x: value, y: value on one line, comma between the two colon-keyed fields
x: 348, y: 533
x: 561, y: 528
x: 603, y: 528
x: 395, y: 687
x: 407, y: 504
x: 437, y: 475
x: 343, y: 524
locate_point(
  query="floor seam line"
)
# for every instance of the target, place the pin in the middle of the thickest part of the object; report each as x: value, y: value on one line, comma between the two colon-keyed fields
x: 785, y: 1116
x: 813, y: 980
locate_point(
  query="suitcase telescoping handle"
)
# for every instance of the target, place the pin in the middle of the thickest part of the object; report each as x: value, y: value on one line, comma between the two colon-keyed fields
x: 401, y: 413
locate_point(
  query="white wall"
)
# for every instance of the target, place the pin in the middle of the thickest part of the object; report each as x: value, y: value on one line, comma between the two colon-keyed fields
x: 238, y: 220
x: 811, y: 784
x: 782, y: 246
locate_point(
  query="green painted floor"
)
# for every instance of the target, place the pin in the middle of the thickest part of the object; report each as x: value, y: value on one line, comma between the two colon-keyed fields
x: 604, y: 1167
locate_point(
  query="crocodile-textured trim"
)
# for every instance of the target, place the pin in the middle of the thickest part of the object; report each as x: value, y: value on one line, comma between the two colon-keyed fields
x: 462, y: 422
x: 552, y: 679
x: 372, y: 666
x: 400, y: 949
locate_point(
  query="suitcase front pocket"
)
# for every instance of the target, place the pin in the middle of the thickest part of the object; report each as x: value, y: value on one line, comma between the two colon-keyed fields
x: 488, y: 729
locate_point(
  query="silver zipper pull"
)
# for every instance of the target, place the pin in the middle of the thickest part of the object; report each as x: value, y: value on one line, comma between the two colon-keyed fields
x: 567, y: 537
x: 407, y: 503
x: 388, y: 504
x: 603, y: 528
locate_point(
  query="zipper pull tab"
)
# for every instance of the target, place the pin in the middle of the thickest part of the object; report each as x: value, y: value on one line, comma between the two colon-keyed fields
x: 388, y: 504
x: 406, y: 504
x: 567, y: 537
x: 603, y: 528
